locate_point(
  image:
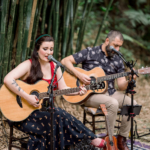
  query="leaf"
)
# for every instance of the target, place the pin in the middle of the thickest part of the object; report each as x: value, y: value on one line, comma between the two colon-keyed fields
x: 128, y: 38
x: 138, y: 17
x: 103, y: 8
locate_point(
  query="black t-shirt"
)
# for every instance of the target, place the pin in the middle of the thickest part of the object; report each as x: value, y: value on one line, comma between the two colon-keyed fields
x: 95, y: 57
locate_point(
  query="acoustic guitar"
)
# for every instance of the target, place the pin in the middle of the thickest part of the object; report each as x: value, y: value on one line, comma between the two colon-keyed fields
x: 98, y: 77
x: 111, y: 141
x: 16, y: 108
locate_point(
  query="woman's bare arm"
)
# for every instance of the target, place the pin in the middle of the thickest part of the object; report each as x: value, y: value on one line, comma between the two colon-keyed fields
x: 20, y: 72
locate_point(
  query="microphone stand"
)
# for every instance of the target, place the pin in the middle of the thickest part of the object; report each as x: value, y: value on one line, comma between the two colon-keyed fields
x: 130, y: 89
x: 51, y: 108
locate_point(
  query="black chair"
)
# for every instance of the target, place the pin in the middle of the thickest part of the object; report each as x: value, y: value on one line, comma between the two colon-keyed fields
x: 23, y: 141
x: 95, y: 112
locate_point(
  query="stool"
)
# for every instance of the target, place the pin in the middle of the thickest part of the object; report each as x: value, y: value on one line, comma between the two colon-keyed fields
x: 23, y: 140
x: 95, y: 112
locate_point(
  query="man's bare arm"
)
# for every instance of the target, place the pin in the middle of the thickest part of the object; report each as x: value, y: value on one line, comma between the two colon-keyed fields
x: 68, y: 62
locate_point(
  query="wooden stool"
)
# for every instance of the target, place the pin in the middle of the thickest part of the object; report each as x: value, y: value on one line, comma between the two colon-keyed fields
x: 95, y: 112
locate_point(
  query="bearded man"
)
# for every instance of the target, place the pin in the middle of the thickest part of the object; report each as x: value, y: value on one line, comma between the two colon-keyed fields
x: 103, y: 57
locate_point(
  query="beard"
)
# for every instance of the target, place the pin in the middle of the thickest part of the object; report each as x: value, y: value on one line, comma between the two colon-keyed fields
x: 109, y: 51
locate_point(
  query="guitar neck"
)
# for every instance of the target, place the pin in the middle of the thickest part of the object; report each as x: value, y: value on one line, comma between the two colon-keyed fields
x: 62, y: 92
x: 88, y: 87
x: 113, y: 76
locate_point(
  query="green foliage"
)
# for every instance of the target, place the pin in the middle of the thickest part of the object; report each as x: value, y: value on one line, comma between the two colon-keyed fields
x: 138, y: 17
x: 128, y: 54
x: 132, y: 18
x: 128, y: 38
x: 74, y: 25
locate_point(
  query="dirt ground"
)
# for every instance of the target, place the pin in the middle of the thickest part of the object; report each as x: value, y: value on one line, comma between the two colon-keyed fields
x: 142, y: 96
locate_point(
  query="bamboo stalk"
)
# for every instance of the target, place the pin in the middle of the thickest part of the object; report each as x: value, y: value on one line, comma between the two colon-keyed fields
x: 11, y: 53
x: 60, y: 33
x: 78, y: 45
x: 100, y: 28
x: 36, y: 23
x: 24, y: 13
x: 65, y: 4
x: 7, y: 23
x: 84, y: 25
x: 75, y: 5
x: 8, y: 48
x: 20, y: 33
x: 50, y: 17
x: 54, y: 21
x: 62, y: 28
x: 26, y: 29
x: 65, y: 32
x: 56, y: 29
x: 3, y: 33
x: 0, y: 12
x: 31, y: 26
x: 43, y: 16
x: 15, y: 36
x: 14, y: 43
x: 69, y: 50
x: 7, y: 15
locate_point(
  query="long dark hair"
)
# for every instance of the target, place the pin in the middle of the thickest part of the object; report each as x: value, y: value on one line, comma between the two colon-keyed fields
x: 35, y: 71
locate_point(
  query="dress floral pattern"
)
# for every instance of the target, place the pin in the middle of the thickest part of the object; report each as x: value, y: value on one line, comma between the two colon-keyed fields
x: 67, y: 130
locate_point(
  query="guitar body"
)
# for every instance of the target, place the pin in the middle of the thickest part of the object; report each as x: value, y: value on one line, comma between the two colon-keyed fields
x: 71, y: 81
x: 10, y: 103
x: 108, y: 146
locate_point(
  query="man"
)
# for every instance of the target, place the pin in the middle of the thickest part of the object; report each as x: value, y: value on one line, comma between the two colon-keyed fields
x: 103, y: 57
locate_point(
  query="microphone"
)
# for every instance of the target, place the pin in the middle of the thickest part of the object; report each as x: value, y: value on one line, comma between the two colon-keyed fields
x: 113, y: 49
x: 51, y: 58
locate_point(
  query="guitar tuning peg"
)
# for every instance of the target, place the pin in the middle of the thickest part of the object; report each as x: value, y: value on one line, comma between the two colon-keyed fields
x: 142, y: 67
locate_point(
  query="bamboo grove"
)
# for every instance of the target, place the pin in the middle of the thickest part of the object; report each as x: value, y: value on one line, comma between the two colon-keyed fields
x: 22, y: 20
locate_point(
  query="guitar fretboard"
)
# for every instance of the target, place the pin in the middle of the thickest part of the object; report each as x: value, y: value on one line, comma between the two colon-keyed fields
x: 113, y: 76
x: 62, y: 92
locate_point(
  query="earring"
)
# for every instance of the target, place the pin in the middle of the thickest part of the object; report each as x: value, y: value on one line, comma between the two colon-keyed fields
x: 37, y: 54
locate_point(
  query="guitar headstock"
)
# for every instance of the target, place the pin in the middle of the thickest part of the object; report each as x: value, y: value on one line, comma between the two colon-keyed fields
x: 103, y: 108
x: 144, y: 70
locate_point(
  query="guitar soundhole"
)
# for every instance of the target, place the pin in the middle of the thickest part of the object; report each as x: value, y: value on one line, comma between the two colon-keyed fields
x: 101, y: 85
x: 35, y: 93
x: 94, y: 85
x: 93, y: 79
x: 18, y: 98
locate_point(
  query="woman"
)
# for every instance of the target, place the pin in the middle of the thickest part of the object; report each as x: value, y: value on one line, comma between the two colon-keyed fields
x: 67, y: 129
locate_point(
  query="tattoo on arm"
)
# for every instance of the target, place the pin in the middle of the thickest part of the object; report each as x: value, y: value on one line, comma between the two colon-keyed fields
x: 15, y: 83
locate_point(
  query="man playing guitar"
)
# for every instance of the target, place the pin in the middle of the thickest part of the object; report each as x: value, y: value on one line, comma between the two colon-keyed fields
x: 102, y: 56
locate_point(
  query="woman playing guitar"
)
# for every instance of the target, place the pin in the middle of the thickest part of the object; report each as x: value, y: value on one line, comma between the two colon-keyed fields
x: 67, y: 129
